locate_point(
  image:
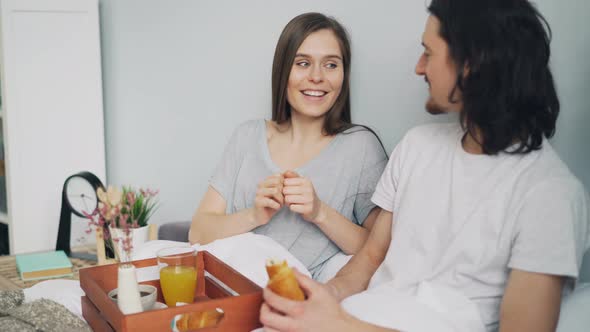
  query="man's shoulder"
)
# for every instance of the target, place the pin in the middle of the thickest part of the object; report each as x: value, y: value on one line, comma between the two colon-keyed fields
x: 547, y: 172
x: 547, y: 163
x: 433, y: 132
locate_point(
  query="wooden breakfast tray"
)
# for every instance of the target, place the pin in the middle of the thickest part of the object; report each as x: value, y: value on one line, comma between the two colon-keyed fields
x: 241, y: 311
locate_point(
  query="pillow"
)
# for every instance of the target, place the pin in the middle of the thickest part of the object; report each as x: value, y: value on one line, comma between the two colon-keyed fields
x: 64, y: 292
x: 575, y: 310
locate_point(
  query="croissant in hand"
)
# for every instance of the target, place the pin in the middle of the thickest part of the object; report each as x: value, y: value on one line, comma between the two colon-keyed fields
x: 282, y: 280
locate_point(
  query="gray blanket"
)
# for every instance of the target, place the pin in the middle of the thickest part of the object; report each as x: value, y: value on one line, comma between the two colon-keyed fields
x: 39, y: 315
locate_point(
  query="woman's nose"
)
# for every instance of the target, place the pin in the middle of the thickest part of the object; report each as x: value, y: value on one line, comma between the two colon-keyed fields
x: 316, y: 74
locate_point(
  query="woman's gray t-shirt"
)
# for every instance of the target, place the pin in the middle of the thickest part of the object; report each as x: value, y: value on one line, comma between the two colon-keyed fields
x: 344, y: 176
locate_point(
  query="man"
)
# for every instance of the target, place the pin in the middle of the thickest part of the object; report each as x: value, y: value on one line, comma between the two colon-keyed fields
x: 483, y: 226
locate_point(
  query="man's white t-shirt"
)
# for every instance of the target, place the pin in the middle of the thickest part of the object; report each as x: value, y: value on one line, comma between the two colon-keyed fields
x: 463, y: 220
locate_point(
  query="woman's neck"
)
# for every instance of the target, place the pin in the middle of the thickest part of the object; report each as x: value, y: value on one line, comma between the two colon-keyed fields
x: 302, y: 131
x: 295, y: 143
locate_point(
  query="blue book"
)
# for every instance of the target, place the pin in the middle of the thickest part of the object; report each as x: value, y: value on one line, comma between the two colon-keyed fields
x: 43, y: 265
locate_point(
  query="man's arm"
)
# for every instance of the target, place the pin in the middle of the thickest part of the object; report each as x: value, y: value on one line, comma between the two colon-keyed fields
x: 354, y: 277
x: 531, y: 302
x: 320, y: 312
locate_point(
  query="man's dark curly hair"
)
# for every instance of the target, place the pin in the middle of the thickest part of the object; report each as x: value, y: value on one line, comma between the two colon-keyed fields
x: 508, y: 92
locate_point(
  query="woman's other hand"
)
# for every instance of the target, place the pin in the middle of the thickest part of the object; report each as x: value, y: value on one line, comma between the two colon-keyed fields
x: 301, y: 197
x: 269, y: 198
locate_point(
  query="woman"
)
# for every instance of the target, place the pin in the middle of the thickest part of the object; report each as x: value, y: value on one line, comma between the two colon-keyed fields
x: 305, y: 178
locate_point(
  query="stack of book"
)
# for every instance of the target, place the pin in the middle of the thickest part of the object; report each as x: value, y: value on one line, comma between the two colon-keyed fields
x: 43, y: 265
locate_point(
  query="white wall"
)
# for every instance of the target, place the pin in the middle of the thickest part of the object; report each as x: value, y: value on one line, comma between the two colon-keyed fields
x: 180, y: 75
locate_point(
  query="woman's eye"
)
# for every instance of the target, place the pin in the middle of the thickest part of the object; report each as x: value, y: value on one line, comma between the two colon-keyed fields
x: 303, y: 64
x: 331, y: 65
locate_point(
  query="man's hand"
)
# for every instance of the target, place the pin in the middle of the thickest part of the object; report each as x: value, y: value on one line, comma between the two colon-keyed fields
x: 301, y: 197
x: 269, y: 199
x: 319, y: 312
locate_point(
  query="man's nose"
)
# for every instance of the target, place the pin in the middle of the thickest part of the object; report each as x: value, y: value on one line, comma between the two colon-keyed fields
x: 421, y: 66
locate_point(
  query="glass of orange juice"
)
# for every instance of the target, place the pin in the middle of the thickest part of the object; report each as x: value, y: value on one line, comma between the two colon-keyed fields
x: 178, y: 274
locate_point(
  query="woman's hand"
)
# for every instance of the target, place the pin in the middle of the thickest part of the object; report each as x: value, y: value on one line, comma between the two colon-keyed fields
x: 269, y: 198
x: 301, y: 197
x: 320, y: 312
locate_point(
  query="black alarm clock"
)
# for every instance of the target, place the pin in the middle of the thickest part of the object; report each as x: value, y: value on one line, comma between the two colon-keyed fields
x: 79, y: 197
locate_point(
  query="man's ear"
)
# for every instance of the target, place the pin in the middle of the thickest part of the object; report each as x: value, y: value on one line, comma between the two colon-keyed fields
x: 466, y: 70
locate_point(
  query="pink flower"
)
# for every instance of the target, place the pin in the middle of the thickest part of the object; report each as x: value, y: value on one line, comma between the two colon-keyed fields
x: 124, y: 209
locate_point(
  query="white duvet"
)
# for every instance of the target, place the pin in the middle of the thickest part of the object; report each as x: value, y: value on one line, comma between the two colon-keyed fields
x: 427, y: 307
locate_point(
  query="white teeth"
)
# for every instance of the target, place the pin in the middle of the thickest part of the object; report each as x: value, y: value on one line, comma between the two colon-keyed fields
x: 314, y: 93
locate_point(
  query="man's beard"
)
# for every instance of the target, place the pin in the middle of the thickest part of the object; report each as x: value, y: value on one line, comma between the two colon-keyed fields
x: 433, y: 108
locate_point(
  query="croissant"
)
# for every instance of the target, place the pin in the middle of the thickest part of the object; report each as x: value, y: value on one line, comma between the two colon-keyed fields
x: 197, y: 320
x: 282, y: 280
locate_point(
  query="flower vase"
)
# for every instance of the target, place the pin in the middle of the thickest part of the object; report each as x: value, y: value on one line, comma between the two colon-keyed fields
x: 137, y: 236
x: 128, y: 291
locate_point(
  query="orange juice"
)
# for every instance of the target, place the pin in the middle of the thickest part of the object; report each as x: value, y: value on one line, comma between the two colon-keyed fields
x: 178, y: 284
